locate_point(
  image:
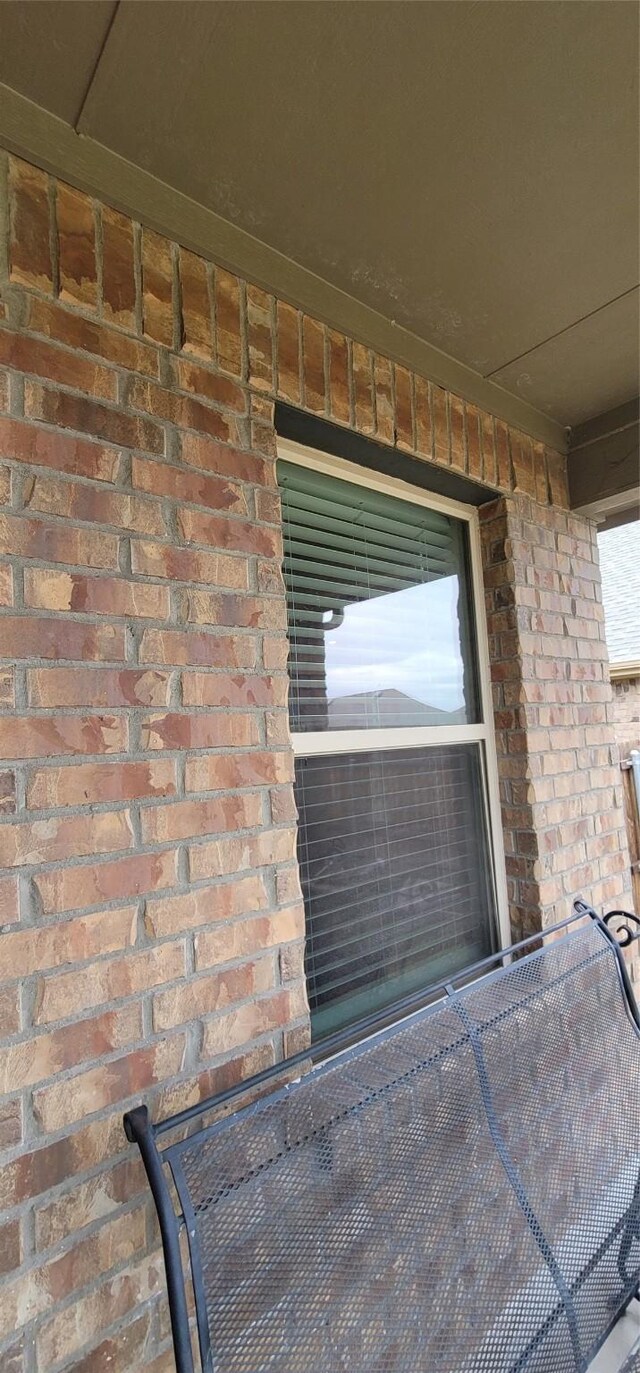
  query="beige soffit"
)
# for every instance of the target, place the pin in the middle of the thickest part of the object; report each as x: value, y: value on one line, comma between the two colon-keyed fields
x: 32, y: 133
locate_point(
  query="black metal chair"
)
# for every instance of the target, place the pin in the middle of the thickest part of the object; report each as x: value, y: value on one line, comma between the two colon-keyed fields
x: 457, y: 1193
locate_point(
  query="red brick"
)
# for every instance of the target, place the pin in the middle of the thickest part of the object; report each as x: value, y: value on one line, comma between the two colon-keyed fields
x: 10, y: 1124
x: 7, y: 687
x: 522, y: 460
x: 404, y: 408
x: 339, y: 379
x: 204, y: 996
x: 557, y: 470
x: 30, y: 250
x: 34, y: 949
x: 275, y: 652
x: 77, y: 1097
x: 243, y: 1024
x: 46, y: 1055
x: 223, y: 857
x: 72, y: 888
x: 259, y: 331
x: 76, y: 246
x: 40, y: 736
x: 228, y: 325
x: 205, y: 730
x: 238, y: 612
x: 200, y: 381
x: 362, y: 389
x: 5, y: 485
x: 503, y: 458
x: 440, y: 425
x: 50, y: 841
x: 283, y: 805
x: 6, y: 584
x: 73, y: 412
x: 213, y: 492
x: 157, y: 287
x: 194, y: 649
x: 113, y: 596
x: 269, y: 507
x: 7, y: 792
x: 10, y: 1017
x: 230, y: 534
x: 118, y: 279
x: 189, y: 819
x: 270, y: 578
x: 56, y: 364
x: 200, y: 689
x: 123, y: 1351
x: 540, y: 472
x: 227, y: 462
x: 183, y: 411
x: 57, y: 543
x: 196, y: 304
x: 489, y: 460
x: 97, y: 687
x: 40, y: 448
x: 277, y: 728
x: 30, y: 636
x: 36, y: 1172
x: 383, y: 389
x: 89, y: 1200
x: 119, y: 1239
x: 83, y: 1321
x: 189, y: 565
x: 96, y: 506
x: 9, y: 903
x: 110, y: 979
x: 473, y: 442
x: 424, y: 425
x: 100, y: 782
x: 10, y: 1247
x: 227, y: 942
x: 201, y: 905
x: 217, y: 772
x: 90, y: 336
x: 458, y: 447
x: 313, y: 365
x: 288, y: 336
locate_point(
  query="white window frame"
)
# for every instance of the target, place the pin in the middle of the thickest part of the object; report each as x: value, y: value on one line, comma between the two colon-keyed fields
x: 314, y: 742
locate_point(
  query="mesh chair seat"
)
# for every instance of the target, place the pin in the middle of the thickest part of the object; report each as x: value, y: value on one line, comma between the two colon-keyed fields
x: 449, y: 1197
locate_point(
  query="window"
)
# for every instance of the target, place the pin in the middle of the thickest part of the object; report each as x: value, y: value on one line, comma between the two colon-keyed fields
x: 395, y: 772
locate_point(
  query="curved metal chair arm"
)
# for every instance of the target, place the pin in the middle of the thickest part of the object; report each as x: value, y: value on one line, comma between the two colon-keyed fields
x: 626, y: 932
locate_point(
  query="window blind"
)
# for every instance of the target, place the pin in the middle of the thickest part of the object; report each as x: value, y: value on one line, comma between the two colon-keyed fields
x: 365, y: 574
x: 394, y: 863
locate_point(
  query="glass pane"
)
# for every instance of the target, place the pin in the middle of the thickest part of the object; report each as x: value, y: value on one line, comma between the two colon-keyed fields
x: 380, y: 619
x: 395, y: 865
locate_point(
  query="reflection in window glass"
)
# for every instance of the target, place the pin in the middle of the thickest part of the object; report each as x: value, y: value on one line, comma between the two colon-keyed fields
x: 380, y: 626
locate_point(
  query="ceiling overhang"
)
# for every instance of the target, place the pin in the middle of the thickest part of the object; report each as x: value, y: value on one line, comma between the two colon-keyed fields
x: 604, y: 466
x: 453, y: 183
x: 38, y: 136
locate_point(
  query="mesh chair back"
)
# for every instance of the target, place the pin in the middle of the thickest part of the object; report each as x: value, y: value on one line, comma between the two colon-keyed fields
x: 455, y: 1195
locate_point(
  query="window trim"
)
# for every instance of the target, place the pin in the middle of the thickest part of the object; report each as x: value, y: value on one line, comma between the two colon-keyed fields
x: 313, y: 742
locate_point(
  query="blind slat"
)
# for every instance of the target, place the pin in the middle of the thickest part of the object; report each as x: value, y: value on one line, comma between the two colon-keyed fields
x: 394, y: 865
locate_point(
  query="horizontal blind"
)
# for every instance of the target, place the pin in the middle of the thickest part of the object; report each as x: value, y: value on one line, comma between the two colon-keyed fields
x: 345, y: 545
x: 395, y: 865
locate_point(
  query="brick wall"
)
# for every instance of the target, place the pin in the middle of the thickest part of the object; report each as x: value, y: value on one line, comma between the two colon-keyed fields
x: 558, y: 760
x: 150, y: 915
